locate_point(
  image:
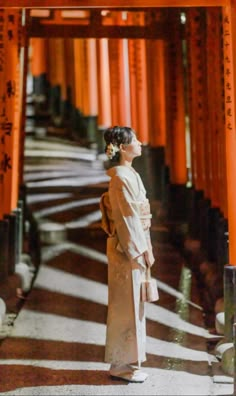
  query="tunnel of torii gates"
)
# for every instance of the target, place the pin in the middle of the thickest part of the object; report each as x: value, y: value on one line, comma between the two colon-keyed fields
x: 164, y: 67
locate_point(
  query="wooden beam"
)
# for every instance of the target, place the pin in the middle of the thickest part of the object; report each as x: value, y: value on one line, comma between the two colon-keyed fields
x: 109, y: 4
x: 79, y: 31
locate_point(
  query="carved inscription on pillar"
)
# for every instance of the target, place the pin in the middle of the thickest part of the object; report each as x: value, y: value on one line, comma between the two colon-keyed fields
x: 197, y: 87
x: 10, y: 116
x: 228, y: 72
x: 2, y: 66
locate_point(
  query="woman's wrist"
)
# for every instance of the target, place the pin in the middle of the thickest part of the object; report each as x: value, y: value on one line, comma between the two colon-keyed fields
x: 149, y: 259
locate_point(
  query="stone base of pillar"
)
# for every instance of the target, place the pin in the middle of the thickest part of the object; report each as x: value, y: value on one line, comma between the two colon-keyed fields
x: 227, y: 362
x: 220, y: 322
x: 52, y: 233
x: 229, y: 300
x: 7, y: 325
x: 2, y: 311
x: 221, y: 347
x: 26, y: 276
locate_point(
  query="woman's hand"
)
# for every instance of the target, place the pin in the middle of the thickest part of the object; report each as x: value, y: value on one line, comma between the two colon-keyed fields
x: 149, y: 258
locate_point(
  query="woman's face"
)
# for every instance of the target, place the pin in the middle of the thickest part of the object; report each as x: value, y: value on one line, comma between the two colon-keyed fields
x: 133, y: 149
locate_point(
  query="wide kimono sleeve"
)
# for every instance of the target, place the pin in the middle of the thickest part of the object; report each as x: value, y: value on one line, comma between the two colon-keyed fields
x: 130, y: 233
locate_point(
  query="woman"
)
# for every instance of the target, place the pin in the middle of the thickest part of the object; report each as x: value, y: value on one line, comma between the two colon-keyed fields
x: 126, y: 219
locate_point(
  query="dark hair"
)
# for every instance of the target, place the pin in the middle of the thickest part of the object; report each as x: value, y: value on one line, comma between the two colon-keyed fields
x: 118, y: 135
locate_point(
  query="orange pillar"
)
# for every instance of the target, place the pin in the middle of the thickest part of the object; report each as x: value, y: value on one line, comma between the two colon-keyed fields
x: 176, y: 125
x: 11, y: 106
x: 92, y: 104
x: 78, y: 72
x: 133, y: 85
x: 38, y: 58
x: 52, y: 66
x: 139, y: 82
x: 89, y: 89
x: 85, y: 77
x: 60, y: 60
x: 229, y: 33
x: 157, y: 95
x: 69, y: 69
x: 89, y: 77
x: 216, y: 169
x: 197, y: 89
x: 119, y: 79
x: 57, y: 78
x: 156, y: 54
x: 60, y: 79
x: 24, y: 73
x: 210, y: 122
x: 104, y: 92
x: 3, y: 41
x: 38, y: 66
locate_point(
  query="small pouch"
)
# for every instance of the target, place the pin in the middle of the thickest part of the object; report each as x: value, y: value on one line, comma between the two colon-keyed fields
x: 149, y: 291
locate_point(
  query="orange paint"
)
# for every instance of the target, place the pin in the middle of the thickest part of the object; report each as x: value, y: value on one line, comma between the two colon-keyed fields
x: 78, y: 72
x: 132, y: 83
x: 229, y: 20
x: 60, y: 60
x: 2, y: 92
x: 104, y: 92
x: 197, y: 89
x: 176, y: 131
x: 38, y: 58
x: 69, y: 68
x: 138, y: 83
x: 12, y: 110
x: 92, y: 77
x: 157, y: 87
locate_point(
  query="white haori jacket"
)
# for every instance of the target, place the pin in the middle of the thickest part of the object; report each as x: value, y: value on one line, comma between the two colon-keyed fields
x: 126, y: 219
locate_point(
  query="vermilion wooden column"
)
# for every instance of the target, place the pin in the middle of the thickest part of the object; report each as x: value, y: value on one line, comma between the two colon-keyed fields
x: 197, y: 90
x: 133, y: 85
x: 210, y: 138
x: 60, y: 61
x: 24, y: 72
x: 3, y: 38
x: 177, y: 138
x: 229, y: 34
x: 92, y: 78
x: 216, y: 167
x: 104, y: 92
x: 38, y: 58
x: 69, y: 69
x: 78, y: 72
x: 52, y: 66
x: 89, y: 90
x: 119, y: 78
x: 157, y: 95
x: 38, y: 66
x: 11, y: 107
x: 85, y: 82
x: 156, y: 55
x: 138, y: 82
x: 57, y: 78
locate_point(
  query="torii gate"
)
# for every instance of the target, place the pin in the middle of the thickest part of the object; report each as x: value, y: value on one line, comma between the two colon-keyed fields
x: 229, y: 43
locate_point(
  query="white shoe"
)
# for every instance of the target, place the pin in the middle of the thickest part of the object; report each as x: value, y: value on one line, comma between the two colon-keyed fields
x: 128, y: 373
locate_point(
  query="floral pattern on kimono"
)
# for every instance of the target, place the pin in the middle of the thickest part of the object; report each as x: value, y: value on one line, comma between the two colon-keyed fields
x: 128, y: 239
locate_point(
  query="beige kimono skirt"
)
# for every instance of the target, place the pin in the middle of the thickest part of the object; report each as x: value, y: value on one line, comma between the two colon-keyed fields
x: 126, y: 219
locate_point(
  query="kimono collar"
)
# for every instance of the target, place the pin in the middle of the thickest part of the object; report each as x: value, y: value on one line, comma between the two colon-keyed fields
x: 120, y: 170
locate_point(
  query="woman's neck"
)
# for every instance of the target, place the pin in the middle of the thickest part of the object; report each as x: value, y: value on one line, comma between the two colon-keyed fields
x: 125, y: 162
